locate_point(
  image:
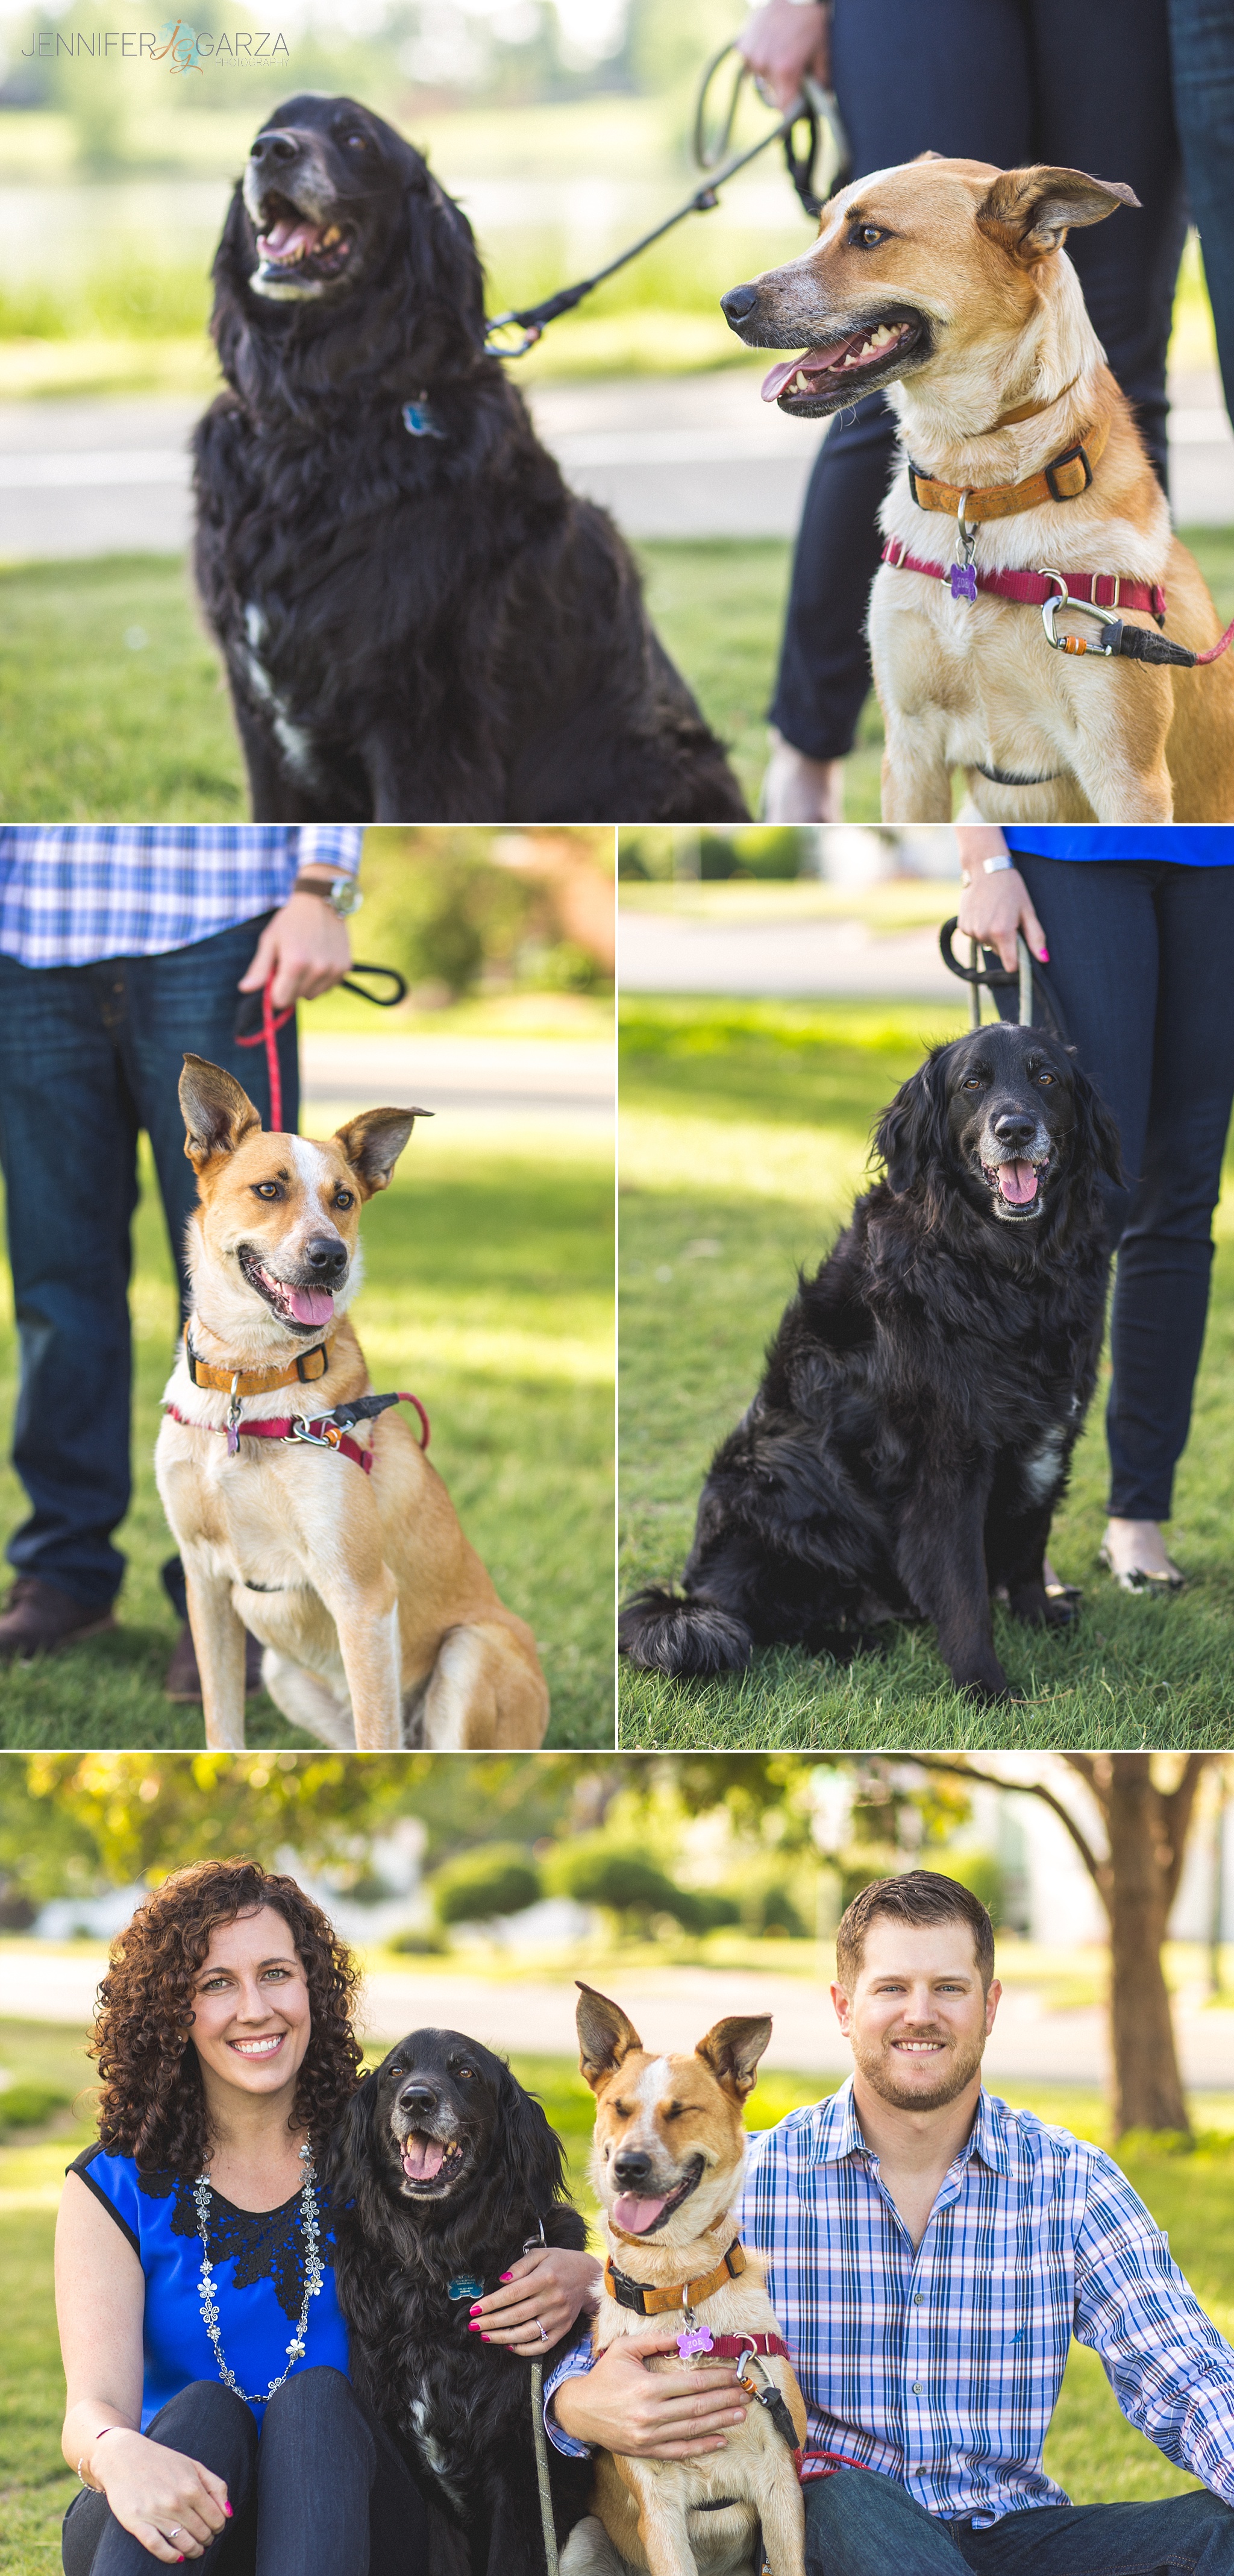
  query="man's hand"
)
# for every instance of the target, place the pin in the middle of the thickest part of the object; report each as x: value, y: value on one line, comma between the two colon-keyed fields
x: 305, y: 947
x: 173, y: 2505
x: 650, y: 2414
x: 993, y: 908
x: 784, y: 41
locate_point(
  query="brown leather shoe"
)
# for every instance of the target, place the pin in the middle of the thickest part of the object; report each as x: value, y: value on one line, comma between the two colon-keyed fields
x: 39, y: 1618
x: 183, y: 1683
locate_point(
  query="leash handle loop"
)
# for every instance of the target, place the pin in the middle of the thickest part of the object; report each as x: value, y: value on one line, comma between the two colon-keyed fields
x: 392, y: 976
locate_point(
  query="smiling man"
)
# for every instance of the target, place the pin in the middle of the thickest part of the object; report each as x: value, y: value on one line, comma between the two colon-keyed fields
x: 930, y: 2255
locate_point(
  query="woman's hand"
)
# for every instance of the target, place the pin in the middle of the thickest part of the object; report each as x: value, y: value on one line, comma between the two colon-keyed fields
x: 784, y: 41
x: 305, y: 947
x: 171, y: 2504
x: 993, y: 908
x: 650, y: 2414
x: 550, y: 2286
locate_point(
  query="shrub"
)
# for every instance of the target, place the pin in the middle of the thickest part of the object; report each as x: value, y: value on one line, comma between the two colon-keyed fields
x: 495, y: 1879
x: 27, y: 2106
x: 596, y: 1871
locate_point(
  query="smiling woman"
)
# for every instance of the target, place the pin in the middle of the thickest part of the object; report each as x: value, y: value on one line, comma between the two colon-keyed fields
x: 210, y: 2414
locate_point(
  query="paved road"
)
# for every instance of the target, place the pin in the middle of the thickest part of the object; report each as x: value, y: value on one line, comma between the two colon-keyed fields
x: 689, y: 456
x: 670, y: 2007
x: 670, y: 953
x: 514, y: 1077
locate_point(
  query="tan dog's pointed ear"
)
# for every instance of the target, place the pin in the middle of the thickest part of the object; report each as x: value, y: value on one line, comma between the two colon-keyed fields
x: 732, y: 2050
x: 1028, y: 211
x: 217, y: 1112
x: 605, y: 2036
x: 373, y: 1142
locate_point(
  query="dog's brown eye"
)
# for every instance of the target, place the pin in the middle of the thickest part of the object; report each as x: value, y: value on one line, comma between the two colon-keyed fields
x: 1045, y: 1077
x: 868, y: 236
x: 344, y: 1198
x: 266, y: 1190
x: 971, y: 1082
x: 357, y: 143
x: 467, y: 2074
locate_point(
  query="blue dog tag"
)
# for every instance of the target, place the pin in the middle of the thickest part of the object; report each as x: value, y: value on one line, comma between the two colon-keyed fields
x: 418, y: 419
x: 963, y: 582
x: 466, y: 2288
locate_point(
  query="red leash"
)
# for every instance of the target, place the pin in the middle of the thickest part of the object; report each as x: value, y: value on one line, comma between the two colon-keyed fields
x: 267, y: 1036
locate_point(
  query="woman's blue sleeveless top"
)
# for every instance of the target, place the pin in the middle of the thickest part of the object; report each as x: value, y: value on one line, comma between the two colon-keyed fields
x: 258, y: 2269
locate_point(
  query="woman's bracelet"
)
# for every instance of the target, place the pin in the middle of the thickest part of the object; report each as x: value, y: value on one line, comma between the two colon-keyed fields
x: 107, y: 2428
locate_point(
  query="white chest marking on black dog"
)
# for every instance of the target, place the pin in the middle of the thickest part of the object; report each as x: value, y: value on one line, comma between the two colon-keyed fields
x: 1040, y: 1472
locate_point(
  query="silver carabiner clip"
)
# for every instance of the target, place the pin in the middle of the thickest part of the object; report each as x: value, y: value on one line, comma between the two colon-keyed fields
x: 1062, y: 599
x: 313, y: 1439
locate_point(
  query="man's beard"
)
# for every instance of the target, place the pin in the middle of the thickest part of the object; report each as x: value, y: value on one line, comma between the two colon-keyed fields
x: 955, y: 2071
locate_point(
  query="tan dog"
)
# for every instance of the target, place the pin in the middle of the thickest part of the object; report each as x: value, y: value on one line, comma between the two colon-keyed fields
x: 380, y: 1624
x: 946, y: 283
x: 667, y: 2166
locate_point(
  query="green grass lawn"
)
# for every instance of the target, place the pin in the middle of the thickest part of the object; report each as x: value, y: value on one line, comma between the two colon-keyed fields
x: 104, y: 730
x: 744, y: 1131
x: 489, y: 1291
x: 1092, y: 2452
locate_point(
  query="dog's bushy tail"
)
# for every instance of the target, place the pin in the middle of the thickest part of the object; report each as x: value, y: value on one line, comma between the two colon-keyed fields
x: 664, y: 1632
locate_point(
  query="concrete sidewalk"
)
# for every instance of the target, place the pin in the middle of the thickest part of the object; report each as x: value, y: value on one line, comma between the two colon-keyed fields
x: 508, y: 1077
x: 672, y: 953
x: 670, y: 2007
x: 670, y: 456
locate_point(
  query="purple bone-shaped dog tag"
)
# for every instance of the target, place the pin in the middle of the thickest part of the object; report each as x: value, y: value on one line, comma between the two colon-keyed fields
x: 698, y: 2340
x: 233, y: 1441
x: 963, y: 582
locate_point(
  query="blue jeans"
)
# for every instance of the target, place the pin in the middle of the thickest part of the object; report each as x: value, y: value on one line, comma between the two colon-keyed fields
x: 1140, y: 959
x: 1202, y: 50
x: 321, y: 2492
x: 1007, y: 81
x: 861, y: 2524
x: 89, y: 1055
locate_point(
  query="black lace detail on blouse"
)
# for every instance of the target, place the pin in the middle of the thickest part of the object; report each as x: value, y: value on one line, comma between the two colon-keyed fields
x: 264, y: 2244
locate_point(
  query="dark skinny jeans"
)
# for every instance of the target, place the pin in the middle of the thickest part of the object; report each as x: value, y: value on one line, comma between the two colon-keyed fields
x: 1007, y: 81
x: 861, y: 2524
x: 321, y: 2492
x: 1140, y: 958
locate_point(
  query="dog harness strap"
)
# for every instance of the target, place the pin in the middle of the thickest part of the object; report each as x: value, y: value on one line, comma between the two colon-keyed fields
x: 322, y: 1431
x: 1063, y: 479
x: 1033, y: 589
x: 226, y: 1381
x: 678, y: 2294
x: 731, y: 2347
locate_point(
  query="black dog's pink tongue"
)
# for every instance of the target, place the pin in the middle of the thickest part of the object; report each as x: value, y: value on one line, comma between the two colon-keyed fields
x: 290, y: 234
x: 634, y: 2216
x: 423, y: 2159
x: 1018, y: 1183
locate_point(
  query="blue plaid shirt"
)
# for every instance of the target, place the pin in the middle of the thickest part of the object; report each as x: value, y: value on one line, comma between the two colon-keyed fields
x: 71, y: 893
x: 941, y: 2367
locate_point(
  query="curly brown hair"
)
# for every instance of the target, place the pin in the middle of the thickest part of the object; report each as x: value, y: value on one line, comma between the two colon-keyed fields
x: 153, y: 2104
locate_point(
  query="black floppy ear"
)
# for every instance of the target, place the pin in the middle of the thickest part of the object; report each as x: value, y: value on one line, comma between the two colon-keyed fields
x: 1095, y: 1127
x: 910, y: 1136
x: 536, y: 2154
x: 445, y: 279
x: 348, y: 2158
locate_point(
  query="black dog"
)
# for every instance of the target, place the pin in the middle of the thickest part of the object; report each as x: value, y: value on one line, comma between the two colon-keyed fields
x: 914, y: 1427
x: 420, y: 622
x: 442, y: 2171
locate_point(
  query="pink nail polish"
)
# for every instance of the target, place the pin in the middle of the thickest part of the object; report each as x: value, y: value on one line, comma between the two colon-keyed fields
x: 1045, y: 956
x: 227, y: 2508
x: 474, y: 2309
x: 473, y: 2328
x: 486, y: 2338
x: 507, y: 2276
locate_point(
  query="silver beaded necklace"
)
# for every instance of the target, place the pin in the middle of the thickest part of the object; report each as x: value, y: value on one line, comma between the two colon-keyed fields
x: 312, y: 2280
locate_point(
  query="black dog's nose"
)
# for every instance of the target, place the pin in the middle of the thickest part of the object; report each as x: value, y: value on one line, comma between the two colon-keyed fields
x: 739, y: 303
x: 417, y: 2097
x: 632, y: 2166
x: 326, y: 1255
x: 274, y: 147
x: 1014, y: 1127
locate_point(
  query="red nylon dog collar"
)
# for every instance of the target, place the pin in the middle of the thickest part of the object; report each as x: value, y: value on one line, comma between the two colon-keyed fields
x: 1032, y: 589
x: 731, y: 2347
x: 321, y: 1432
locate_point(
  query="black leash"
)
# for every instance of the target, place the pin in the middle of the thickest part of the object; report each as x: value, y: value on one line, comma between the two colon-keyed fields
x: 815, y: 109
x: 1029, y: 977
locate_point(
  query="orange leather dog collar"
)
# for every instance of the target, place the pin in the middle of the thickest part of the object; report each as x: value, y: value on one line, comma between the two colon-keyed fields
x: 1063, y: 479
x: 227, y: 1381
x: 679, y: 2294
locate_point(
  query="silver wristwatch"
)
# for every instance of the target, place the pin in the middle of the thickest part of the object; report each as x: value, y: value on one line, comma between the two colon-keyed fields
x: 343, y: 894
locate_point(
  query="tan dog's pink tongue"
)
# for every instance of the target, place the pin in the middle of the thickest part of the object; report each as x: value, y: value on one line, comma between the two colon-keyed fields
x: 1017, y: 1182
x: 810, y: 362
x: 311, y: 1305
x: 423, y: 2159
x: 634, y: 2216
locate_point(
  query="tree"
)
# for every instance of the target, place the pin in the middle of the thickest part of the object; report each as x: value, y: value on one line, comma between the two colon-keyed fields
x: 496, y: 1878
x: 1137, y: 1877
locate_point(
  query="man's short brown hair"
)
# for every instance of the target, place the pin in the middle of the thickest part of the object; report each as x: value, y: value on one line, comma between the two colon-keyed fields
x: 915, y: 1896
